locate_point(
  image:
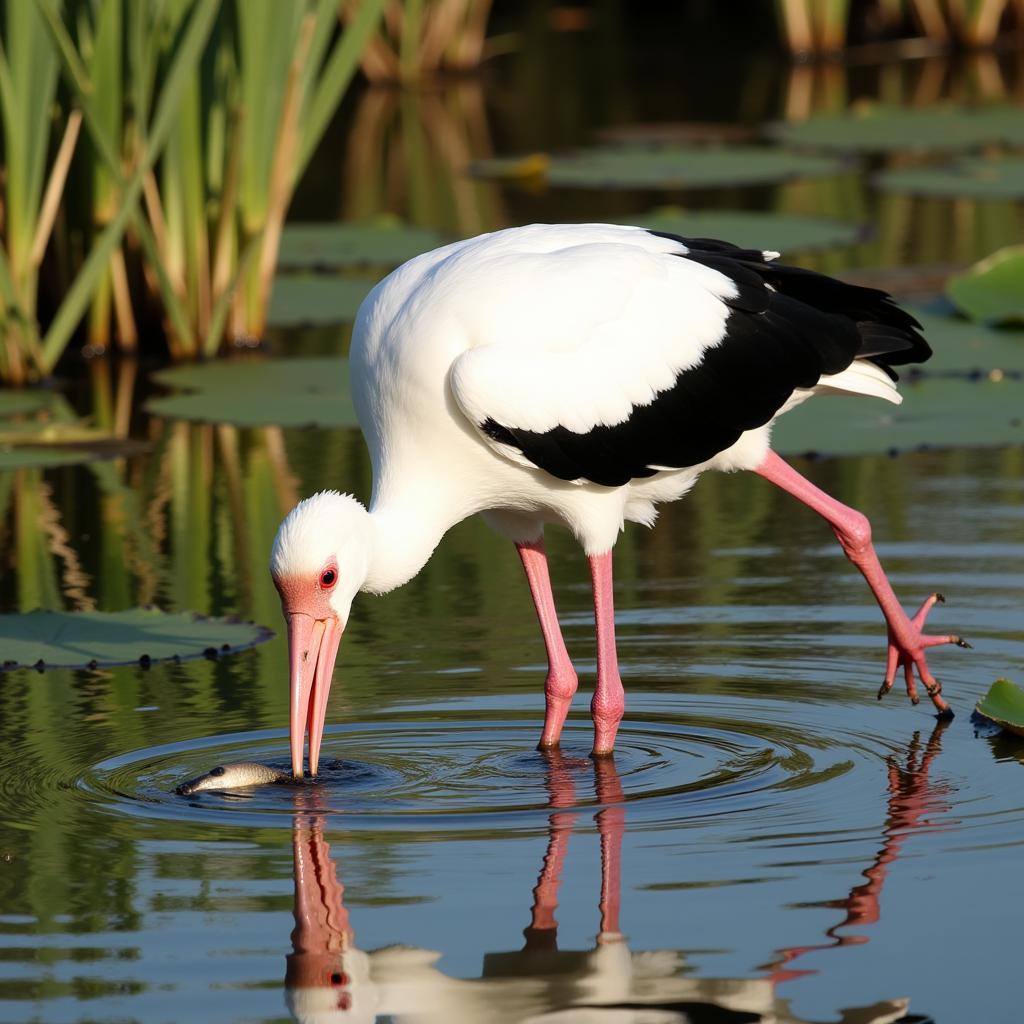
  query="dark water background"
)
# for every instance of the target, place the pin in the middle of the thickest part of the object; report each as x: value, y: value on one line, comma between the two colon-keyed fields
x: 769, y: 838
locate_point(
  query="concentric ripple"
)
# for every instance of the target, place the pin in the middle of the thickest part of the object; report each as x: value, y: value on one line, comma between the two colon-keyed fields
x: 442, y: 769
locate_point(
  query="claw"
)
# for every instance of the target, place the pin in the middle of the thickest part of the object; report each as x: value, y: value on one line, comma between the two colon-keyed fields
x: 884, y: 688
x: 961, y: 642
x: 940, y: 598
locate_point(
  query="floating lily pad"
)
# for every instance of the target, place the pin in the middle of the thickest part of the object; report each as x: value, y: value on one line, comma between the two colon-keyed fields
x: 673, y: 167
x: 300, y: 300
x: 752, y: 230
x: 39, y: 457
x: 91, y: 639
x: 975, y: 178
x: 39, y: 429
x: 879, y: 128
x: 937, y: 412
x: 1004, y: 704
x: 677, y: 133
x: 15, y: 403
x: 528, y: 167
x: 308, y: 246
x: 992, y: 291
x: 286, y: 392
x: 959, y: 346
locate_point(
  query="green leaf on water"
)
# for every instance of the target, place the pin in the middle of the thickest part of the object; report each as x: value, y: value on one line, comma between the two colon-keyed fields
x: 300, y: 300
x: 959, y: 346
x: 877, y: 128
x: 14, y: 403
x: 38, y: 457
x: 975, y: 178
x: 781, y: 232
x: 672, y: 167
x: 38, y: 429
x: 1004, y: 704
x: 992, y: 291
x: 937, y: 412
x: 285, y: 392
x: 311, y: 246
x: 93, y: 639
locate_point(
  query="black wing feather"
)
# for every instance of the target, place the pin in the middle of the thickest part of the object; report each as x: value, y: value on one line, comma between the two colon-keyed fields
x: 787, y: 327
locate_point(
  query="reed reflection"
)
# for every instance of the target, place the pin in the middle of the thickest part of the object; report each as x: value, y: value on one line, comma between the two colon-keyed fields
x: 328, y: 978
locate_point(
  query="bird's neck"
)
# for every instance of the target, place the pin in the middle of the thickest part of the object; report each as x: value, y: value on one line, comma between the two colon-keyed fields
x: 405, y: 533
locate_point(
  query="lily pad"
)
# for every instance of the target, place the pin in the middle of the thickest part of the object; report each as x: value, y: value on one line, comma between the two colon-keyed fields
x: 937, y: 412
x: 992, y: 291
x: 312, y: 246
x: 674, y: 167
x: 975, y: 178
x: 38, y: 429
x: 15, y: 403
x: 880, y: 129
x: 285, y: 392
x: 959, y: 346
x: 753, y: 230
x: 300, y: 300
x: 1004, y: 704
x: 40, y: 457
x: 42, y: 639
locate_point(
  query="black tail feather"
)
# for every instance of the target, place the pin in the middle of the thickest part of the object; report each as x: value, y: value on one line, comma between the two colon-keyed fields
x: 890, y: 336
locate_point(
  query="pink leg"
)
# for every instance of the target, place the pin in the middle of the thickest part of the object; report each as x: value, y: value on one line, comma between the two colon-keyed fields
x: 609, y: 701
x: 906, y: 641
x: 561, y: 682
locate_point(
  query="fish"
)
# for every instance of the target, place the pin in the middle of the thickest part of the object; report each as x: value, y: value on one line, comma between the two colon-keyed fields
x: 235, y: 775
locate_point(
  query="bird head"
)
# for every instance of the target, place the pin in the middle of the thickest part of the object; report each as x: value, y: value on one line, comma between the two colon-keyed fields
x: 318, y: 563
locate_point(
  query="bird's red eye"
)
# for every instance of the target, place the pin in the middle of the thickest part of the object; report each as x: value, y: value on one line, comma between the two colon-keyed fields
x: 328, y: 578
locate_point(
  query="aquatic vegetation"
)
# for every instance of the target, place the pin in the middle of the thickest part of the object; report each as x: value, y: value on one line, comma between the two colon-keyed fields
x: 216, y: 179
x: 1004, y: 705
x: 305, y: 300
x: 823, y: 26
x: 883, y: 128
x: 631, y: 166
x: 753, y: 229
x: 965, y: 348
x: 419, y: 38
x: 969, y: 178
x: 937, y: 412
x: 50, y: 639
x: 285, y: 392
x: 992, y: 291
x: 384, y: 243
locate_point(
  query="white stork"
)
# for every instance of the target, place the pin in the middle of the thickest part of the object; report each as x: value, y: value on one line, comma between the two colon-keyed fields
x: 578, y: 374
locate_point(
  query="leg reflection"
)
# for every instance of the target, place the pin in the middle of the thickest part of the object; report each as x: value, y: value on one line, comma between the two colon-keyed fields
x: 913, y: 799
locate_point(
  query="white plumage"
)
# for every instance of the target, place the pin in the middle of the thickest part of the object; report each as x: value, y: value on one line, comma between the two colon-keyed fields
x: 579, y: 375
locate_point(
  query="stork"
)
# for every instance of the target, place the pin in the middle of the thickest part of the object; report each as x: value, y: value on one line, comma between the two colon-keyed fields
x: 579, y: 375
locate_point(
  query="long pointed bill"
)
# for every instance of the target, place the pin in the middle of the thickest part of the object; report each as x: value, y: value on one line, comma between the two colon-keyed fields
x: 312, y: 650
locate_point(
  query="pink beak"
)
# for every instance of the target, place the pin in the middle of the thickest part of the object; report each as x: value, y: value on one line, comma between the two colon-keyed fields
x: 312, y: 650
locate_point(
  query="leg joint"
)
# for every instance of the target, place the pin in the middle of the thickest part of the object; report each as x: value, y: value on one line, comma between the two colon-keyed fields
x: 854, y: 533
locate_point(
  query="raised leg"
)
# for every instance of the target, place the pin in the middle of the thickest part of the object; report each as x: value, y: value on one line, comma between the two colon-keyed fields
x: 561, y: 682
x: 609, y: 701
x: 907, y: 643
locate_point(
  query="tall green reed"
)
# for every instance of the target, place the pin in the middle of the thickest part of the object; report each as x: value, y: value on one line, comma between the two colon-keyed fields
x: 200, y: 117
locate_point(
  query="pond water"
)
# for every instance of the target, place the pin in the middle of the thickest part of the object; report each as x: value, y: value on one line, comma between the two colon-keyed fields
x: 769, y: 841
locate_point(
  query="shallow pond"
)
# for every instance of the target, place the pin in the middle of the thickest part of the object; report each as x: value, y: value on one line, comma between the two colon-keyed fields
x: 769, y: 838
x: 769, y: 841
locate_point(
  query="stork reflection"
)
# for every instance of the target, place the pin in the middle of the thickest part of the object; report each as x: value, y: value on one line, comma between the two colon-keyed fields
x: 328, y: 978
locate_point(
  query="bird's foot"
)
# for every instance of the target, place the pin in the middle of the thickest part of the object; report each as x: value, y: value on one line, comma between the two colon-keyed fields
x: 907, y: 644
